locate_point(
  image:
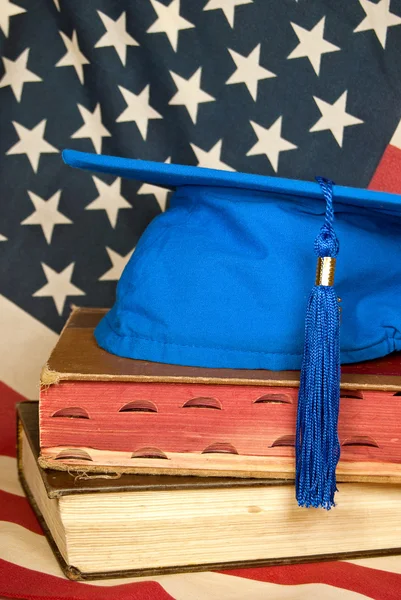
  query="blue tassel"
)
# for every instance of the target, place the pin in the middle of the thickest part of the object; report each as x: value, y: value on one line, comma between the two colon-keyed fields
x: 317, y: 446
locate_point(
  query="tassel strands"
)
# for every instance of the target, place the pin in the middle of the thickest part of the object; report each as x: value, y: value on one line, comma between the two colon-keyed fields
x: 317, y: 446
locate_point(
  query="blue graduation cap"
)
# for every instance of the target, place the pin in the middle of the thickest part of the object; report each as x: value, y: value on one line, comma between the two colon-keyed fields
x: 223, y: 278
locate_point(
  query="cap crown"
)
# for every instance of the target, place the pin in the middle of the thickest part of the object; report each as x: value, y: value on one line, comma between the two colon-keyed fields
x: 222, y: 278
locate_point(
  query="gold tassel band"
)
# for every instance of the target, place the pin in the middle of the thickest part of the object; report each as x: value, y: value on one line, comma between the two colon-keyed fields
x: 325, y: 271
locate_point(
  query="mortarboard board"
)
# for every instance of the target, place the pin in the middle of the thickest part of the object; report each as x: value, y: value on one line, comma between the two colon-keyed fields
x: 223, y: 279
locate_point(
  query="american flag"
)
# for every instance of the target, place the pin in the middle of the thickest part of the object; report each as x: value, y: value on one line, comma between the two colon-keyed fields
x: 294, y: 88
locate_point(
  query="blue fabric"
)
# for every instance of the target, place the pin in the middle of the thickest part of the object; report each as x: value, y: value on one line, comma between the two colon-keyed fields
x: 222, y: 278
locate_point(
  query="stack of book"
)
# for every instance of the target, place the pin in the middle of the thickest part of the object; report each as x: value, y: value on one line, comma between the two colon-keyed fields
x: 136, y: 467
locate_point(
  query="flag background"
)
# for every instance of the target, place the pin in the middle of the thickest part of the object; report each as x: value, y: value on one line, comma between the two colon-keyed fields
x: 291, y: 88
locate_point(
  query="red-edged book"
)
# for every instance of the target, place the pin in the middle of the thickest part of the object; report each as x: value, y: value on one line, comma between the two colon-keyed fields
x: 100, y: 412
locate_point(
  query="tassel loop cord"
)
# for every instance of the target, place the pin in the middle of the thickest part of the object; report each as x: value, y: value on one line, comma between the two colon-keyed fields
x: 326, y: 243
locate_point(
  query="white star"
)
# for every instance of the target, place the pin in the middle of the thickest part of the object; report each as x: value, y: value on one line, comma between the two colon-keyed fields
x: 32, y: 143
x: 312, y: 44
x: 93, y: 127
x: 270, y: 142
x: 138, y: 109
x: 227, y: 6
x: 116, y: 35
x: 169, y: 21
x: 249, y: 70
x: 7, y: 10
x: 109, y: 199
x: 211, y: 159
x: 189, y: 93
x: 118, y: 263
x: 46, y: 214
x: 3, y: 238
x: 58, y: 286
x: 73, y: 57
x: 379, y: 18
x: 158, y: 192
x: 16, y: 74
x: 334, y: 117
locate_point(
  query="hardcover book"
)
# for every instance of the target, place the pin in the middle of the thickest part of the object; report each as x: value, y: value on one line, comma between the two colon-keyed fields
x: 102, y: 526
x: 102, y: 412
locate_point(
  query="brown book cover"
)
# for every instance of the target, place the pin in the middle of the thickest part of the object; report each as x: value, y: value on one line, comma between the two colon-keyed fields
x: 77, y: 357
x: 254, y: 507
x: 102, y: 412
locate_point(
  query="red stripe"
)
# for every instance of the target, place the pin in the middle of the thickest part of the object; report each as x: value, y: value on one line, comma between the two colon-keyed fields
x: 380, y: 585
x: 16, y: 509
x: 388, y: 173
x: 18, y: 582
x: 8, y: 400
